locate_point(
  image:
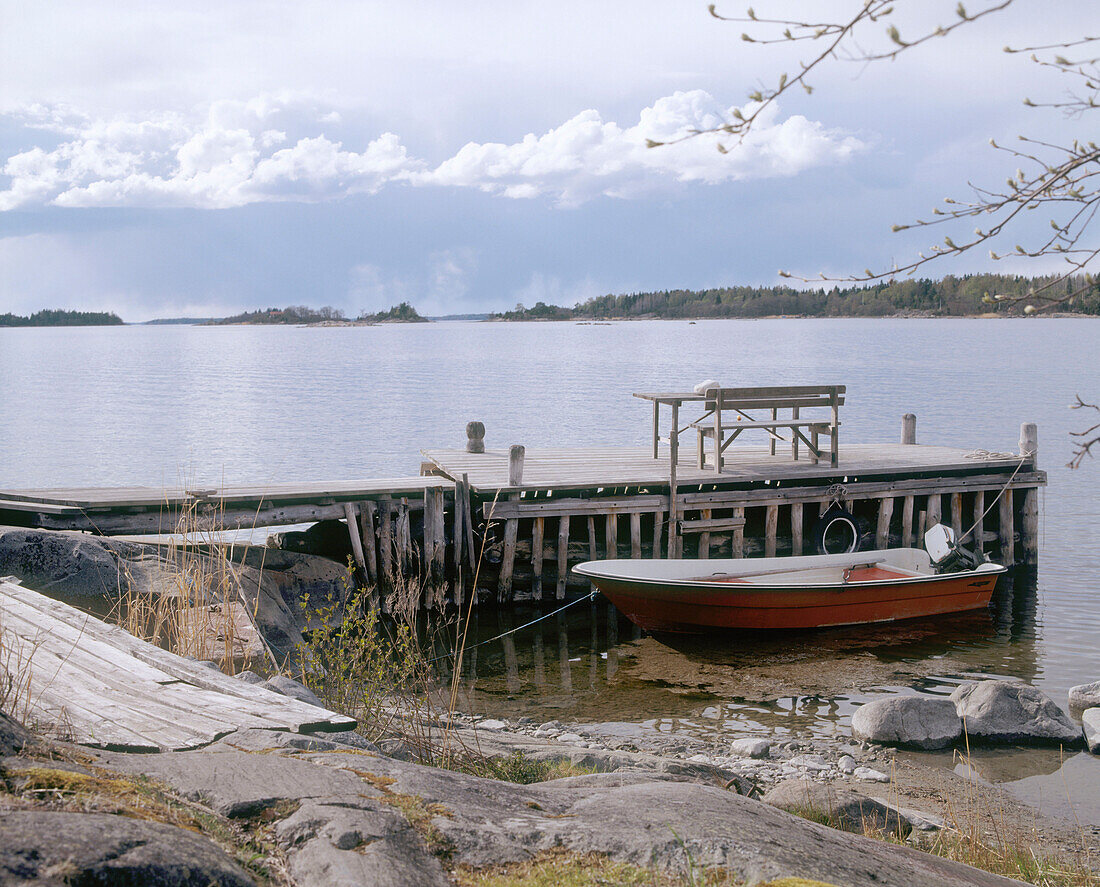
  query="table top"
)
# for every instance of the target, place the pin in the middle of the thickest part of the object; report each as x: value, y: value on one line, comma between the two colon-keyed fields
x: 670, y: 396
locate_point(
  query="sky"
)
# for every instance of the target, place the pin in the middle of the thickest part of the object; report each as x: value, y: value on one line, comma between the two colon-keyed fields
x: 160, y: 159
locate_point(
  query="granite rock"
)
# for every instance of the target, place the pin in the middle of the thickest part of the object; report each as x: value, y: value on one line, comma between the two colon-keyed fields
x: 910, y: 721
x: 1006, y: 712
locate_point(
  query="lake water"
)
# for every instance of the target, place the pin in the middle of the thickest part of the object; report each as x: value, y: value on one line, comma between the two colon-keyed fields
x: 156, y: 405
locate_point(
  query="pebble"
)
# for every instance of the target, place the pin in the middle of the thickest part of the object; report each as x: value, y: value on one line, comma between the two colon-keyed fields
x: 492, y: 724
x: 866, y: 773
x: 846, y: 764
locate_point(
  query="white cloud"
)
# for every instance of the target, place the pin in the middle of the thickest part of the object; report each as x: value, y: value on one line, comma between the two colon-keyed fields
x: 233, y: 155
x: 438, y: 286
x: 587, y: 156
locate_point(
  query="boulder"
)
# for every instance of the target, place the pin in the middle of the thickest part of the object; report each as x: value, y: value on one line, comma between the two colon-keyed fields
x: 1005, y: 712
x: 1084, y: 696
x: 327, y: 538
x: 850, y: 811
x: 292, y: 688
x: 13, y: 736
x: 910, y: 721
x: 56, y: 848
x: 1090, y: 724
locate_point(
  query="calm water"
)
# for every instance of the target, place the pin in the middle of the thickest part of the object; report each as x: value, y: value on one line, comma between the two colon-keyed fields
x: 157, y: 405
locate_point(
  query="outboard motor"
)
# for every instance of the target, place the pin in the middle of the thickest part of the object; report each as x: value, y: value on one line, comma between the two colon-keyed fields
x: 946, y: 554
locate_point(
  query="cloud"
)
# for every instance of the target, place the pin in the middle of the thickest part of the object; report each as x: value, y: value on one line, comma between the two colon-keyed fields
x: 238, y: 153
x: 586, y: 156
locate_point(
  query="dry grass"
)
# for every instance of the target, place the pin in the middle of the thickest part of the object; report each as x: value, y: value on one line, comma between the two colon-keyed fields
x: 201, y: 609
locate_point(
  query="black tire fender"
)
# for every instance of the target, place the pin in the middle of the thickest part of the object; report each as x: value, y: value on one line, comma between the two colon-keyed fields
x: 838, y: 531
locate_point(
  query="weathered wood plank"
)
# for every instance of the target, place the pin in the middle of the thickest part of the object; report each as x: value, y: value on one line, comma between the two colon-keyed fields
x: 704, y: 533
x: 507, y: 561
x: 1029, y: 527
x: 907, y: 521
x: 882, y: 528
x: 1007, y: 530
x: 737, y: 543
x: 636, y: 535
x: 611, y: 536
x: 771, y: 524
x: 796, y: 529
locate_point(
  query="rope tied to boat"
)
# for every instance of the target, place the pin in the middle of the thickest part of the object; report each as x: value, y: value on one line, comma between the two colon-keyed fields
x: 589, y: 597
x: 836, y: 494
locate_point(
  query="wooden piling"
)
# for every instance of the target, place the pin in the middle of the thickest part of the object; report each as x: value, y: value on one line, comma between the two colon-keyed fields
x: 704, y: 537
x: 370, y: 542
x: 935, y: 511
x: 473, y: 554
x: 356, y: 540
x: 386, y: 540
x: 882, y: 529
x: 956, y: 514
x: 636, y: 534
x: 977, y: 534
x: 796, y: 527
x: 515, y: 465
x: 592, y: 553
x: 737, y: 543
x: 907, y: 521
x: 458, y: 537
x: 771, y: 525
x: 611, y: 536
x: 909, y: 429
x: 1007, y: 530
x: 658, y: 533
x: 537, y: 529
x: 1029, y: 527
x: 475, y: 437
x: 563, y: 555
x: 437, y: 568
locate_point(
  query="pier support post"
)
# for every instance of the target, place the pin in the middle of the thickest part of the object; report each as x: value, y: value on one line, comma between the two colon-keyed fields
x: 563, y: 555
x: 475, y: 437
x: 1029, y: 509
x: 538, y: 530
x: 515, y: 465
x: 356, y: 539
x: 909, y: 428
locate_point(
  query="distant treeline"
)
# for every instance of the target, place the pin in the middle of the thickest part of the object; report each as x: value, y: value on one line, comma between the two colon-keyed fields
x: 57, y: 317
x: 299, y: 314
x: 951, y: 296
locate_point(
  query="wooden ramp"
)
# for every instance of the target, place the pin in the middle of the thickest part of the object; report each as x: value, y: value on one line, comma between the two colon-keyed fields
x: 74, y: 677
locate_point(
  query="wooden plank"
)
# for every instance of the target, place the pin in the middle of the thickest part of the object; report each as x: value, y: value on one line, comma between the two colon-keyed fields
x: 468, y: 522
x: 563, y: 555
x: 76, y: 627
x: 1007, y: 530
x: 636, y: 535
x: 882, y: 528
x: 771, y: 524
x: 592, y: 553
x: 558, y: 507
x: 386, y: 540
x: 717, y: 524
x: 796, y: 529
x: 459, y: 548
x: 537, y: 530
x: 658, y: 532
x: 438, y: 565
x: 934, y: 511
x: 611, y: 536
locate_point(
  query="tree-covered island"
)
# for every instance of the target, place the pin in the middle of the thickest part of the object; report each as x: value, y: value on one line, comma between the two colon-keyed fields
x: 60, y: 317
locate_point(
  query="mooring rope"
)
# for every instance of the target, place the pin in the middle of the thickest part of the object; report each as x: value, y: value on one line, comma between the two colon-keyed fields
x: 1023, y: 459
x: 590, y: 597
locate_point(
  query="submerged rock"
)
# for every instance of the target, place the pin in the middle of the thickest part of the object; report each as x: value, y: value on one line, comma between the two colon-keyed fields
x: 911, y: 721
x: 1001, y: 711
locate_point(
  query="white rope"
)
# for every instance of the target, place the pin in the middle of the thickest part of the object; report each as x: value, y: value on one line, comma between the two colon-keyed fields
x: 996, y: 498
x: 590, y: 597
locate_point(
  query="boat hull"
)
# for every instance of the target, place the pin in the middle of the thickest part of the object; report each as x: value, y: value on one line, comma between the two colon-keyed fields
x: 695, y: 607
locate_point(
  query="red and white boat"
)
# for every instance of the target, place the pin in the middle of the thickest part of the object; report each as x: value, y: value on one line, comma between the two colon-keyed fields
x: 794, y: 592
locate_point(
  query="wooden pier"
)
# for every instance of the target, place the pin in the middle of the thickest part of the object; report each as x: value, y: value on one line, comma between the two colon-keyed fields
x: 519, y: 518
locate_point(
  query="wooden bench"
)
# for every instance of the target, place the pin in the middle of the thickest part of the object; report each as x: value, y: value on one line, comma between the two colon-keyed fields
x: 730, y: 411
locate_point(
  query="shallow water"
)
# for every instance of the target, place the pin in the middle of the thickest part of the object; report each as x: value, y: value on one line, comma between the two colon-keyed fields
x: 157, y: 405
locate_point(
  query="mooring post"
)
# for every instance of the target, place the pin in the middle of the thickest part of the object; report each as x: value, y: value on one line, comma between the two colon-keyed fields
x: 515, y: 465
x: 1029, y: 511
x: 475, y: 437
x: 909, y: 428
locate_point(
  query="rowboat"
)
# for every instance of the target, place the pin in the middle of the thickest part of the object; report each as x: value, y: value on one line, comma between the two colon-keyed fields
x: 790, y: 592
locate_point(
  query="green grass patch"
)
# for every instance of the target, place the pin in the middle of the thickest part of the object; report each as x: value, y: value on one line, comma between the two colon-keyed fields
x: 517, y: 768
